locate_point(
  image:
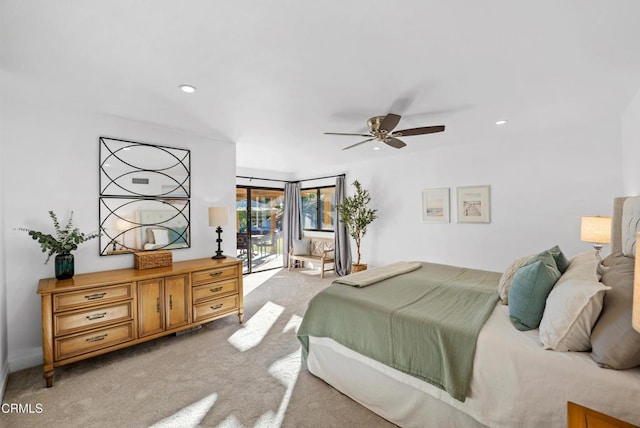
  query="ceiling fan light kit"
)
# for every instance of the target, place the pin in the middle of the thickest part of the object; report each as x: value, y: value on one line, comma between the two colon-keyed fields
x: 381, y: 128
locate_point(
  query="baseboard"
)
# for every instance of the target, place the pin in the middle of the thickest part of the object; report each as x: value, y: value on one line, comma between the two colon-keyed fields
x: 4, y: 378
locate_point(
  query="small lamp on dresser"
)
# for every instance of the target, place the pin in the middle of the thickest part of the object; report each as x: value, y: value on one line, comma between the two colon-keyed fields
x: 597, y: 230
x: 123, y: 225
x: 636, y: 290
x: 218, y: 217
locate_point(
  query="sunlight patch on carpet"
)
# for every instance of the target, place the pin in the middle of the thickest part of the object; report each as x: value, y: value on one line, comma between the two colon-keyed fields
x: 286, y: 371
x: 231, y: 422
x: 256, y: 328
x: 256, y: 279
x: 189, y: 416
x: 293, y: 324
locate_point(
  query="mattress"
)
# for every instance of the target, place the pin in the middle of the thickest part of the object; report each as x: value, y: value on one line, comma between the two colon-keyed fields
x: 514, y: 383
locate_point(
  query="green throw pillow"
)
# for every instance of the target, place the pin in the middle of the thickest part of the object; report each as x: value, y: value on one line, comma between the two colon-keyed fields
x: 301, y: 247
x: 561, y: 260
x: 178, y: 235
x: 529, y: 290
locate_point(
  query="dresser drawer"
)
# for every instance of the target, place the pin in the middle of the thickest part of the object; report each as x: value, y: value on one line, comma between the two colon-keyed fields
x: 90, y: 297
x: 215, y: 275
x: 70, y: 322
x: 206, y: 292
x: 71, y: 346
x: 214, y: 307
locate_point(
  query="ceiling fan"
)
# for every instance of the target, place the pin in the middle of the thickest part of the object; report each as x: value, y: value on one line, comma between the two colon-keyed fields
x: 381, y: 129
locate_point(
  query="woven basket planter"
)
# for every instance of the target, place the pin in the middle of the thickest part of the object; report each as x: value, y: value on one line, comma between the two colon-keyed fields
x: 152, y: 259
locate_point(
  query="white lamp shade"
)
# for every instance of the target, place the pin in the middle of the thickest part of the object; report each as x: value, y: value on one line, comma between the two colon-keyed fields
x: 636, y: 290
x: 218, y: 216
x: 596, y: 229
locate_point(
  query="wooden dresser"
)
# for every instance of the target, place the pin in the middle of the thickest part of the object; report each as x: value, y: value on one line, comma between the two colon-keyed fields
x: 582, y: 417
x: 95, y: 313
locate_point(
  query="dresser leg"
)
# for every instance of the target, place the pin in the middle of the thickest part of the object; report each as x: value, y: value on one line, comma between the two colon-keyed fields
x: 47, y: 339
x: 48, y: 378
x: 241, y: 316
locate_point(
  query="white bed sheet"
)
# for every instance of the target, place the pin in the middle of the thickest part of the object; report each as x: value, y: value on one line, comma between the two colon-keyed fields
x: 515, y: 383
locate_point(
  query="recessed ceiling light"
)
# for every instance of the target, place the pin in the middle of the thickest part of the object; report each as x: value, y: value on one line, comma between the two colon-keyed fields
x: 501, y: 122
x: 376, y: 148
x: 188, y: 89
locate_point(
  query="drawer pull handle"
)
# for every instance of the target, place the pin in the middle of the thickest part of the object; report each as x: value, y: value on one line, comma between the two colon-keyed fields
x: 96, y: 316
x: 215, y: 274
x: 215, y: 290
x: 95, y: 296
x: 218, y: 306
x: 170, y: 302
x: 97, y: 338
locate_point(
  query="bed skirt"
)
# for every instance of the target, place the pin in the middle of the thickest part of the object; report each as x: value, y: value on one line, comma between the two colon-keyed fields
x: 396, y: 396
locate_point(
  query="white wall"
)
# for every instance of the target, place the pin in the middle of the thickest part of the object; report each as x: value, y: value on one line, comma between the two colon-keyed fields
x: 631, y: 147
x: 541, y: 184
x: 51, y: 163
x: 4, y: 363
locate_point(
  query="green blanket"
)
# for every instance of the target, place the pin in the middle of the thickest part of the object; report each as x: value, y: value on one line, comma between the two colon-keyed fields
x: 425, y: 322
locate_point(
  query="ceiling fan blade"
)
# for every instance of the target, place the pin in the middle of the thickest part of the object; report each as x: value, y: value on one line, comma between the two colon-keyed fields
x: 418, y: 131
x: 394, y: 142
x: 357, y: 144
x: 344, y: 133
x: 389, y: 122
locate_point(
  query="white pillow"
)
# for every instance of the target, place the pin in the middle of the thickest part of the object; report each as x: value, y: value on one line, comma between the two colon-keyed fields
x: 583, y: 266
x: 572, y: 309
x: 161, y: 236
x: 507, y: 278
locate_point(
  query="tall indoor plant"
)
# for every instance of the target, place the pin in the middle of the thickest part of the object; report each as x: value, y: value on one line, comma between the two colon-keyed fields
x: 356, y: 216
x: 66, y: 239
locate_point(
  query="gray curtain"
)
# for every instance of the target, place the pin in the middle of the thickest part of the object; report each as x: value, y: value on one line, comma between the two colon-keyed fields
x: 342, y: 265
x: 291, y: 223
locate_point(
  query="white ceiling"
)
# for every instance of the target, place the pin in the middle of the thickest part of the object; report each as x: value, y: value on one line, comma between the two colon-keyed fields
x: 273, y: 75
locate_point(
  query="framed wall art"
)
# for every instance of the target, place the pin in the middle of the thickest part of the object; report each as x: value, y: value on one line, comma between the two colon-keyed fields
x: 435, y: 205
x: 474, y: 204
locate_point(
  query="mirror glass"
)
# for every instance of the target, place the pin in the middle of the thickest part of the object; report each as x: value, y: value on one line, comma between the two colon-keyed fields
x: 144, y: 197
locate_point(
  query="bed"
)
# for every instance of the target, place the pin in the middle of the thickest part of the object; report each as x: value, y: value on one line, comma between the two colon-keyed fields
x: 161, y: 229
x: 514, y: 380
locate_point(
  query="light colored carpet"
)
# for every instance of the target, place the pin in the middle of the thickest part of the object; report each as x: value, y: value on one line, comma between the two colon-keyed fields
x: 225, y: 374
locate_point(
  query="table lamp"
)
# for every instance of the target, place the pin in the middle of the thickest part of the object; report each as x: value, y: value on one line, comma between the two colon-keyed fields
x: 123, y: 225
x: 597, y: 230
x: 218, y: 217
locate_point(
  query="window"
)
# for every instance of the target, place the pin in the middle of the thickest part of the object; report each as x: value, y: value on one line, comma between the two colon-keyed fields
x: 318, y: 208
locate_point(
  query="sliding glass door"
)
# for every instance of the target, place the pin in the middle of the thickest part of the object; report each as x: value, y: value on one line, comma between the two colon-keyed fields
x: 259, y: 214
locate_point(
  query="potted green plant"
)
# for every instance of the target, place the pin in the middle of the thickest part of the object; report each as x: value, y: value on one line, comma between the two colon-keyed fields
x: 356, y: 216
x: 65, y: 241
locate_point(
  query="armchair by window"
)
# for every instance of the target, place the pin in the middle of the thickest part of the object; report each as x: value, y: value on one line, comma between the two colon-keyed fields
x: 267, y: 244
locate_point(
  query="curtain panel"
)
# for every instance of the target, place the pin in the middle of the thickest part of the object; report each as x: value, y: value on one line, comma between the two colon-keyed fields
x: 292, y: 221
x: 342, y: 265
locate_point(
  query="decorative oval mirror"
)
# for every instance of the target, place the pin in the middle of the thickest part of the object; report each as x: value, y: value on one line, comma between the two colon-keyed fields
x: 144, y: 197
x: 143, y: 170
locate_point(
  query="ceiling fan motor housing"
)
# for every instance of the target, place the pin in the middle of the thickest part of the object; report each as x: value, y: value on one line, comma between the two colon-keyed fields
x: 374, y: 125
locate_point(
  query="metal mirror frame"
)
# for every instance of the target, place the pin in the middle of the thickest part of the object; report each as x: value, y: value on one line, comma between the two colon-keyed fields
x: 167, y: 207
